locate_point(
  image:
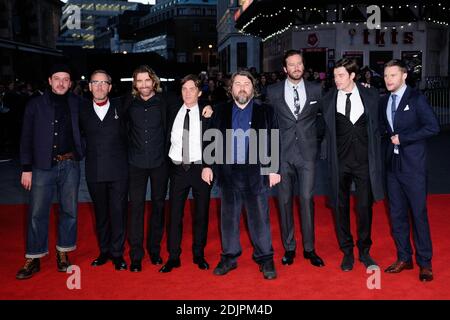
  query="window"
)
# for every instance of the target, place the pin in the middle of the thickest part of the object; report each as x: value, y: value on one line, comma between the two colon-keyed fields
x: 242, y: 55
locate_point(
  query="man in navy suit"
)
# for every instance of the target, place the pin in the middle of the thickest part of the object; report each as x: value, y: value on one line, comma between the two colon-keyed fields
x: 50, y: 151
x: 408, y: 120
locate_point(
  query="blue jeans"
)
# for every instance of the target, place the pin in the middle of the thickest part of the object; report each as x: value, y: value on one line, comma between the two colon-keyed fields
x: 64, y: 178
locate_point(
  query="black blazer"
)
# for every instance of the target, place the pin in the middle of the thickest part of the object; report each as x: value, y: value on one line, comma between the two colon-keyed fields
x: 370, y: 98
x: 37, y: 131
x: 263, y: 117
x: 106, y: 142
x: 298, y: 135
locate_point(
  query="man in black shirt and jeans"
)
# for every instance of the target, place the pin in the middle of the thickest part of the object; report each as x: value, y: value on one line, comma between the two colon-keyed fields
x: 50, y: 151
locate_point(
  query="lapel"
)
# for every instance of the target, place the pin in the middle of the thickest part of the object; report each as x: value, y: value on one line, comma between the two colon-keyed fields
x: 308, y: 100
x: 364, y: 99
x: 285, y: 108
x: 257, y: 117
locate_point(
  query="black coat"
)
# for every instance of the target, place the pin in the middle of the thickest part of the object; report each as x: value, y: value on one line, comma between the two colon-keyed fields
x: 263, y: 117
x: 370, y: 98
x: 106, y: 143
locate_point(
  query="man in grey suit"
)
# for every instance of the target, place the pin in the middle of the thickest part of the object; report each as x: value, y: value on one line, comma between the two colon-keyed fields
x: 297, y: 104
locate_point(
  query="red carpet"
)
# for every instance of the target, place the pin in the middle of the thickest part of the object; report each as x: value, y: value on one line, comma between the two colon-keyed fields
x: 298, y: 281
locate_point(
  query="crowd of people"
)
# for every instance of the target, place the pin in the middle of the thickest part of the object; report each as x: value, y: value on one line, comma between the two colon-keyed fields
x: 149, y: 135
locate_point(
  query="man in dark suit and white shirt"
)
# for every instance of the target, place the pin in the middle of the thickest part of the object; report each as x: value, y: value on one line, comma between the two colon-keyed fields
x: 408, y: 121
x: 297, y: 104
x: 185, y: 126
x: 353, y: 140
x: 102, y: 125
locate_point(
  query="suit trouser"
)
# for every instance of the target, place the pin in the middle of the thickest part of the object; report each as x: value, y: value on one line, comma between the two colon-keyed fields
x: 110, y: 203
x: 138, y: 179
x: 302, y: 173
x: 407, y: 190
x: 181, y: 181
x: 359, y: 173
x: 258, y: 221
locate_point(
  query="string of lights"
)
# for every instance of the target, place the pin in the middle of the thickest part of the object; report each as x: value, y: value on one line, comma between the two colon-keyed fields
x: 284, y: 10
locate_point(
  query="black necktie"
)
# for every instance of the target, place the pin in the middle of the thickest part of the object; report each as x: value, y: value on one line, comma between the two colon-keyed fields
x: 348, y: 105
x: 185, y: 141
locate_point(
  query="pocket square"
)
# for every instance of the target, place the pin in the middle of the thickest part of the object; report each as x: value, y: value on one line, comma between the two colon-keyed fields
x: 313, y: 102
x: 406, y: 108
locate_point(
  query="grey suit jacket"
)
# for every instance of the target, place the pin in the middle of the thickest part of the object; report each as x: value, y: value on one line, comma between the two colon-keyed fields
x: 299, y: 137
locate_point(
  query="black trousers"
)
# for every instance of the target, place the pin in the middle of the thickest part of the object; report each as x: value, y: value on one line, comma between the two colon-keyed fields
x: 359, y: 173
x: 138, y: 179
x: 110, y: 204
x: 181, y: 182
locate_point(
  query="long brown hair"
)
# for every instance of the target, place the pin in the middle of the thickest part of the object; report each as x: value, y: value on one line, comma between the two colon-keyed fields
x: 151, y: 74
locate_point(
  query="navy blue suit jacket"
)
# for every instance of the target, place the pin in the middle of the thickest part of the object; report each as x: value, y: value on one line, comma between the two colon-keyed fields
x: 37, y: 132
x: 414, y: 122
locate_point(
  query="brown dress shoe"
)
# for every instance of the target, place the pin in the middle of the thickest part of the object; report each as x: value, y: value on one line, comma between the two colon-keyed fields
x: 399, y: 266
x: 62, y: 261
x: 425, y: 274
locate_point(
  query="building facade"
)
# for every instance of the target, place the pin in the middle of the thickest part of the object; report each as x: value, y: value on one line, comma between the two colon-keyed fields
x: 28, y: 33
x: 236, y: 50
x: 416, y: 32
x: 84, y: 20
x: 182, y: 31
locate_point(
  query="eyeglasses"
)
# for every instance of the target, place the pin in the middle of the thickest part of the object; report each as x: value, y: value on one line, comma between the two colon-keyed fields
x: 100, y: 83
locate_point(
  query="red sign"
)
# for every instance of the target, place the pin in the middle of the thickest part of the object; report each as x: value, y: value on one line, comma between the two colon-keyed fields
x: 313, y: 40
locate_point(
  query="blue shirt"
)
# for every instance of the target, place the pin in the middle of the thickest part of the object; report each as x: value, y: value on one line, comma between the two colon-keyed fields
x: 399, y: 93
x: 241, y: 121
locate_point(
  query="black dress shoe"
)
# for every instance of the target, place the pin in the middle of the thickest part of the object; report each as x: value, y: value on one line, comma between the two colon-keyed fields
x: 62, y: 261
x: 288, y: 258
x: 347, y: 262
x: 313, y: 258
x: 136, y: 266
x: 170, y: 264
x: 223, y: 267
x: 268, y: 270
x: 156, y: 259
x: 368, y: 261
x: 201, y: 263
x: 119, y: 263
x: 32, y: 265
x: 101, y: 260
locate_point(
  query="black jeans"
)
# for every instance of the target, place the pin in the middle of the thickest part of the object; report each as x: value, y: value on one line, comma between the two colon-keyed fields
x: 138, y: 179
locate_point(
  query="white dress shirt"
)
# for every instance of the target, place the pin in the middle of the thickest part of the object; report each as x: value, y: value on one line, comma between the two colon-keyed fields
x: 357, y: 107
x: 289, y: 94
x: 101, y: 111
x: 176, y: 138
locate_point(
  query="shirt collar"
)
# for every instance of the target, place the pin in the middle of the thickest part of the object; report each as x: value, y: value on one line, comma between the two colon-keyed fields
x: 191, y: 108
x: 399, y: 93
x: 353, y: 92
x: 298, y: 85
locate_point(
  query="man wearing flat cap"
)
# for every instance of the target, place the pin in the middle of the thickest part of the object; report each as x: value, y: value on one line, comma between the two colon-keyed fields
x: 50, y: 151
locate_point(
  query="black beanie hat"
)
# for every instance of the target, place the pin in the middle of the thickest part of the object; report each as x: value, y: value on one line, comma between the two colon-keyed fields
x: 59, y: 67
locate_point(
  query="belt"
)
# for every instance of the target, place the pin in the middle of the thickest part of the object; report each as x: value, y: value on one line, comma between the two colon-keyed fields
x: 65, y: 156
